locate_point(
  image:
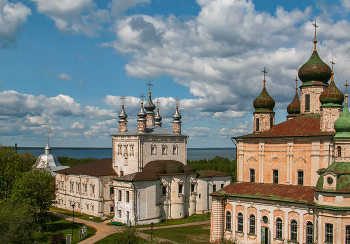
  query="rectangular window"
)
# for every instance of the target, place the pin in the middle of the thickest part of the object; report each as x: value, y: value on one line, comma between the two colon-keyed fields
x: 181, y: 188
x: 93, y: 190
x: 257, y: 124
x: 92, y: 208
x: 199, y: 196
x: 78, y: 187
x: 119, y: 149
x: 175, y: 150
x: 222, y: 186
x: 307, y: 102
x: 71, y: 186
x: 329, y: 233
x: 85, y: 188
x: 214, y: 188
x: 301, y: 178
x: 111, y: 190
x: 125, y: 150
x: 192, y: 187
x: 271, y: 122
x: 111, y: 209
x: 127, y: 215
x: 252, y: 175
x: 163, y: 190
x: 119, y: 213
x: 131, y: 150
x: 347, y: 234
x: 87, y: 207
x: 275, y: 176
x: 153, y: 150
x: 119, y: 195
x: 127, y: 196
x: 164, y: 150
x: 240, y: 222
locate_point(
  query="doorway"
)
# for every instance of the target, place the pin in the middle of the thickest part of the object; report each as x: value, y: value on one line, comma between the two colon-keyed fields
x: 265, y: 235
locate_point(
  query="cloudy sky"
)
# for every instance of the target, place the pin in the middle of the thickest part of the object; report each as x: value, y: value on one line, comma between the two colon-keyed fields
x: 64, y: 64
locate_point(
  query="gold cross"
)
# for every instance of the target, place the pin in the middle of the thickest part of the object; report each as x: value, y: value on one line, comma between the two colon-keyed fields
x: 332, y: 64
x: 346, y: 85
x: 149, y: 84
x: 177, y: 101
x: 141, y: 96
x: 316, y: 26
x: 122, y: 98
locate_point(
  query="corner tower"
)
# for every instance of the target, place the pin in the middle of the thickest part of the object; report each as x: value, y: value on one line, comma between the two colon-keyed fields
x: 264, y: 116
x: 315, y: 75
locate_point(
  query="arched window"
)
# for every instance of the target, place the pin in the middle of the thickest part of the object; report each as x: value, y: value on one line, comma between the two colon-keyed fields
x: 339, y: 151
x: 228, y: 220
x: 153, y: 149
x: 175, y: 149
x: 309, y: 232
x: 164, y: 149
x: 252, y: 224
x: 240, y: 222
x: 257, y: 124
x: 294, y: 230
x: 279, y: 228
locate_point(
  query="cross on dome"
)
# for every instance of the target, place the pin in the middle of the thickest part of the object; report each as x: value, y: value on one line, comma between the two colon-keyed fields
x: 264, y: 71
x: 157, y: 103
x: 315, y: 41
x: 332, y: 63
x: 177, y: 101
x: 346, y: 85
x: 142, y: 97
x: 122, y: 98
x: 149, y: 84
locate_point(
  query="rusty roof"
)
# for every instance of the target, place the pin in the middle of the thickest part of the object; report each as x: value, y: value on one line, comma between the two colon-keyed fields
x: 303, y: 125
x: 97, y: 168
x: 210, y: 173
x: 138, y: 176
x: 267, y: 191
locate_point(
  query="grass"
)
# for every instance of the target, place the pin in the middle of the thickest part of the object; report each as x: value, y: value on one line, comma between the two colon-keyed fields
x: 189, y: 219
x: 56, y: 225
x: 76, y: 214
x: 186, y: 234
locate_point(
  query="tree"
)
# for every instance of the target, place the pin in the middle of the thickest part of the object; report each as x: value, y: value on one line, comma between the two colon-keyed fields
x: 36, y: 188
x: 12, y: 165
x: 17, y: 222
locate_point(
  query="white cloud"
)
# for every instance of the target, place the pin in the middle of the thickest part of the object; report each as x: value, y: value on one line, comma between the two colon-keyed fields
x: 12, y: 16
x: 118, y: 6
x: 79, y: 125
x: 64, y: 76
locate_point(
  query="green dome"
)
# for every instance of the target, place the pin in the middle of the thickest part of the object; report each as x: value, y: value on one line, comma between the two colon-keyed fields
x: 264, y: 103
x: 342, y: 170
x: 294, y: 106
x: 314, y: 70
x: 332, y: 96
x: 342, y: 124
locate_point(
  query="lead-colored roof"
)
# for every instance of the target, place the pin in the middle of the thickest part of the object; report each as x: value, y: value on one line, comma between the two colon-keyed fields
x: 303, y: 125
x: 97, y: 168
x: 267, y: 191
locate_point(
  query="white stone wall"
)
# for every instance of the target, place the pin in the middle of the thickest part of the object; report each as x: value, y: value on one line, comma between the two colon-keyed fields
x: 315, y: 104
x: 90, y: 194
x: 328, y: 117
x: 126, y: 154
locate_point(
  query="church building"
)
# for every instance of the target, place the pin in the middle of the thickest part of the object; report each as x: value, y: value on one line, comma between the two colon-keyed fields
x: 293, y: 178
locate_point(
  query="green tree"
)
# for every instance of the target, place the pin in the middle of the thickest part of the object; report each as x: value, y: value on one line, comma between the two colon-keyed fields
x: 17, y: 222
x: 36, y: 188
x: 12, y: 165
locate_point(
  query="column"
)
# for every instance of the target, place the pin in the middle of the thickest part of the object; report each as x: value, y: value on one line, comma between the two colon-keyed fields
x: 261, y: 161
x: 245, y: 223
x: 286, y: 225
x: 258, y: 222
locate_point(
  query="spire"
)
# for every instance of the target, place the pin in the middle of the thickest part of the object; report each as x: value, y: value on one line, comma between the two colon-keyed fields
x: 293, y: 108
x: 342, y: 124
x: 48, y: 148
x: 158, y: 118
x: 332, y: 96
x: 314, y: 71
x: 177, y: 119
x: 264, y: 103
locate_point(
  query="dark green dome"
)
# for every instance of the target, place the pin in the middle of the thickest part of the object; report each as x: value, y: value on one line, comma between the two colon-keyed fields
x: 174, y: 168
x: 332, y: 96
x: 315, y: 70
x: 264, y: 103
x: 342, y: 172
x: 294, y: 106
x: 342, y: 124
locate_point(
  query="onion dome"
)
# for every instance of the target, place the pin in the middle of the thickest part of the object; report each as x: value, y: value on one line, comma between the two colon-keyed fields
x: 294, y: 107
x: 264, y: 103
x: 177, y: 115
x: 122, y: 115
x: 142, y: 114
x: 149, y: 105
x: 48, y: 161
x: 342, y: 124
x: 332, y: 96
x: 158, y: 119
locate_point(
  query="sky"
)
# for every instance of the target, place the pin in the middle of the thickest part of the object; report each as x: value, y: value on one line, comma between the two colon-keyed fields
x: 65, y: 64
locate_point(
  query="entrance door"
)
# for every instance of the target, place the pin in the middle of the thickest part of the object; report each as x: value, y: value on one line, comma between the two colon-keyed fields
x: 265, y: 235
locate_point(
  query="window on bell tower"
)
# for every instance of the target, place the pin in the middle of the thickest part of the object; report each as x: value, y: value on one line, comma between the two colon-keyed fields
x: 257, y: 124
x: 307, y: 102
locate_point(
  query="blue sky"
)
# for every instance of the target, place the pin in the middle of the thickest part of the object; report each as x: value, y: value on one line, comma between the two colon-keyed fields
x: 65, y: 64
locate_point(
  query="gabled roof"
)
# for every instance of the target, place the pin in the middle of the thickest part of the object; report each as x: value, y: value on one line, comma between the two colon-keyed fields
x: 97, y: 168
x: 138, y: 176
x: 267, y: 191
x: 302, y: 126
x: 210, y: 173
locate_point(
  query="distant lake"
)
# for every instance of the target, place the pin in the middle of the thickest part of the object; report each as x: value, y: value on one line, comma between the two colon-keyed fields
x: 99, y: 153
